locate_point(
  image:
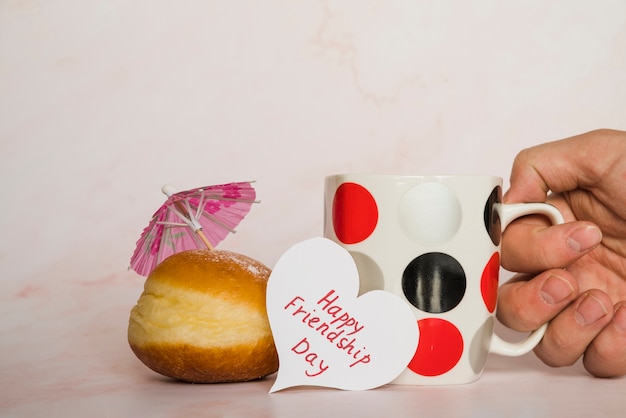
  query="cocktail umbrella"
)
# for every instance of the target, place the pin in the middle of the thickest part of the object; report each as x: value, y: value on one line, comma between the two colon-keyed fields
x: 197, y: 218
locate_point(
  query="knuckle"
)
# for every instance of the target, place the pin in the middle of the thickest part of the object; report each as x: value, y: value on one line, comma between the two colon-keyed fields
x: 526, y: 320
x: 558, y: 349
x: 606, y: 360
x: 522, y: 156
x: 563, y: 342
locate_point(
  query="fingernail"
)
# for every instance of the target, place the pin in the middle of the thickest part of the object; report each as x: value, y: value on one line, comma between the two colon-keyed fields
x: 555, y: 290
x: 589, y: 310
x: 619, y: 318
x: 584, y: 238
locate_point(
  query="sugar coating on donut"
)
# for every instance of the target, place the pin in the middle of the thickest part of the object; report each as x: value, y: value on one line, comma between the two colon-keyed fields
x: 202, y: 318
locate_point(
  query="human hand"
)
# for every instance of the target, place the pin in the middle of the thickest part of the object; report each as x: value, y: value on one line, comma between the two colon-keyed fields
x: 572, y: 274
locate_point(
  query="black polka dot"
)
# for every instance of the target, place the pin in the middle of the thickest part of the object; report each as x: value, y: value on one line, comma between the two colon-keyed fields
x: 434, y: 282
x: 492, y: 219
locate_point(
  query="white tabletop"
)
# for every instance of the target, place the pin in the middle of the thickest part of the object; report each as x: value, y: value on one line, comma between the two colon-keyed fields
x: 65, y: 354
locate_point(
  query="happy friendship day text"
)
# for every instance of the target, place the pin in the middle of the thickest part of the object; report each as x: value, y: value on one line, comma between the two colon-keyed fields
x: 337, y: 326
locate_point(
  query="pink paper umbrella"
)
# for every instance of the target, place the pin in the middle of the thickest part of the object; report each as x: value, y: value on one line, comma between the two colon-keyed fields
x: 197, y: 218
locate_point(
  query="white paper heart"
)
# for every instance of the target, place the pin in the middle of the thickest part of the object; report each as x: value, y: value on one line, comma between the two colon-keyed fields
x: 326, y: 335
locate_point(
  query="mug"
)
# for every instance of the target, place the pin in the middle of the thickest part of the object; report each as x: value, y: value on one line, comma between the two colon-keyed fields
x: 435, y: 242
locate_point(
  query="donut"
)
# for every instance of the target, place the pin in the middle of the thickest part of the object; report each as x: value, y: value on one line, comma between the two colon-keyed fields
x: 202, y: 318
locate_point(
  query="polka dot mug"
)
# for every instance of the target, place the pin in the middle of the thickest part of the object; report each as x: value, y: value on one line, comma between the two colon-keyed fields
x: 435, y: 242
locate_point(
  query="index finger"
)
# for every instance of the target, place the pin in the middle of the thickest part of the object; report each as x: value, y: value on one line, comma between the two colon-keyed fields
x: 567, y: 164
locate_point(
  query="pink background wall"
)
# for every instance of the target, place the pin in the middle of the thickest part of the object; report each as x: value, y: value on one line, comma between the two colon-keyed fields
x: 103, y: 102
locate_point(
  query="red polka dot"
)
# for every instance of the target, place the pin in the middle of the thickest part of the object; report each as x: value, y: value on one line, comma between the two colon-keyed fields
x: 489, y: 282
x: 355, y: 213
x: 439, y: 349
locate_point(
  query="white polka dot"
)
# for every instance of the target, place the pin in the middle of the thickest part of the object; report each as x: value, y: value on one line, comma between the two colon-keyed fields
x: 430, y: 214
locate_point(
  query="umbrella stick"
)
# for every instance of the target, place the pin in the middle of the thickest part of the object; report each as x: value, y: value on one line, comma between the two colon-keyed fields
x: 185, y: 215
x: 204, y: 239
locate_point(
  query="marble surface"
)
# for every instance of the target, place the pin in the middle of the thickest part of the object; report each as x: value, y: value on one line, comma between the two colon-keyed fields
x: 103, y: 102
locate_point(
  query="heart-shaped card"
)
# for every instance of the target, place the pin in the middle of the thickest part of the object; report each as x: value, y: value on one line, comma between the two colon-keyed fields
x: 327, y: 335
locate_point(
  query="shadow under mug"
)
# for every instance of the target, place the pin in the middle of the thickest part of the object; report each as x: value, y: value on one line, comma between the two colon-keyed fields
x: 435, y: 242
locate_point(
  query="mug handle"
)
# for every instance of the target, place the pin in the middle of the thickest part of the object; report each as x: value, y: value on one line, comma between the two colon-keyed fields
x: 508, y: 213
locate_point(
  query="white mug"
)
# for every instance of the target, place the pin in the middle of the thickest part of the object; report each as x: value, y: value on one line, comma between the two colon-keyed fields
x: 435, y: 242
